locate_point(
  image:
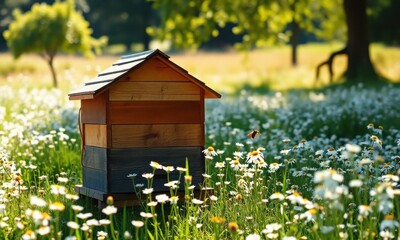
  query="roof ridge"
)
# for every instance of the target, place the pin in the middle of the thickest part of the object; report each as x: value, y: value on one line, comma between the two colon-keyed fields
x: 133, y: 55
x: 139, y: 57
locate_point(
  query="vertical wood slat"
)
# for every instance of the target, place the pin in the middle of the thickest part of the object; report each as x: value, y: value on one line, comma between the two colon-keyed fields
x: 157, y: 135
x: 153, y: 112
x: 136, y: 91
x: 95, y: 135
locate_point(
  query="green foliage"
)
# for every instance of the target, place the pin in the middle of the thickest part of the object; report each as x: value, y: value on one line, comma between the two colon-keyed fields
x: 189, y: 23
x: 383, y: 21
x: 330, y: 18
x: 49, y: 29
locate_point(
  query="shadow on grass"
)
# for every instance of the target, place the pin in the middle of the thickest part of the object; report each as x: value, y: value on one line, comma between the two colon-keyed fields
x: 265, y: 87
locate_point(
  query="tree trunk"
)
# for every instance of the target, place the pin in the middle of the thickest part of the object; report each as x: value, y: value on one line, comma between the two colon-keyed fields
x: 53, y: 71
x: 359, y: 66
x: 294, y: 41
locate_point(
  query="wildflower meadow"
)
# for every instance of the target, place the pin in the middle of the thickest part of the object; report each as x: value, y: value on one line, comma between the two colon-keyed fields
x: 298, y: 164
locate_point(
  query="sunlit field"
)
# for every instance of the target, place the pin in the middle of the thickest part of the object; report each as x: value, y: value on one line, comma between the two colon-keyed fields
x: 226, y: 72
x: 323, y: 163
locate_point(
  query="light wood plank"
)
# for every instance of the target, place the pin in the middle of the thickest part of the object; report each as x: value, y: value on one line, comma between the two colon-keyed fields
x: 94, y: 110
x: 157, y: 135
x: 81, y: 97
x: 95, y: 135
x: 156, y: 69
x: 155, y: 112
x: 136, y: 91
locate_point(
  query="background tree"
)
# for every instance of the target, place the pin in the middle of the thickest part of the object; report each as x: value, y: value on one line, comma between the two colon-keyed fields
x: 189, y: 23
x: 6, y: 9
x: 359, y: 65
x: 308, y: 21
x: 384, y: 19
x: 124, y: 22
x: 49, y: 29
x: 321, y: 18
x: 359, y: 62
x: 259, y: 23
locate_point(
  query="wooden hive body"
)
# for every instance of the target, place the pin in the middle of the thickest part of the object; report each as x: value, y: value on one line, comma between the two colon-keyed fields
x: 143, y: 108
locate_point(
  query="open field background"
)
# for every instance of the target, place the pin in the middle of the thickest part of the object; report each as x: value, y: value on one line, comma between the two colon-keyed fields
x: 226, y: 72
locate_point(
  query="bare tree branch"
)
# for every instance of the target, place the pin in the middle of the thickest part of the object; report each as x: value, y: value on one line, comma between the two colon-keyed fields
x: 329, y: 62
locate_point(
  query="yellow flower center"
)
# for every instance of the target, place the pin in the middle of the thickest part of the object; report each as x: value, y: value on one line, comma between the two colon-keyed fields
x: 233, y: 226
x: 45, y: 215
x: 58, y: 206
x: 29, y: 232
x: 254, y: 153
x: 217, y: 219
x: 366, y: 207
x: 389, y: 217
x: 312, y: 211
x: 210, y: 149
x: 155, y: 164
x: 238, y: 197
x: 297, y: 194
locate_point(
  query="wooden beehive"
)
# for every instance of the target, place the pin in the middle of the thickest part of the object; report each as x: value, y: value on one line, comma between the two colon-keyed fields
x: 143, y: 108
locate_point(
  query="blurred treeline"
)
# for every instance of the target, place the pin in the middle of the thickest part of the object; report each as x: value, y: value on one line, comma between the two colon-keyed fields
x: 125, y: 22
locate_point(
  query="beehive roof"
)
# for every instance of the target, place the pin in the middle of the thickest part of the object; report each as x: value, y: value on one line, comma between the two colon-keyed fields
x: 122, y: 67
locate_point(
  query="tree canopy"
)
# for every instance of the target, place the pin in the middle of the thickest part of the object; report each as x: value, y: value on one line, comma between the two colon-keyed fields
x: 259, y: 24
x: 49, y: 29
x: 189, y: 23
x: 124, y: 22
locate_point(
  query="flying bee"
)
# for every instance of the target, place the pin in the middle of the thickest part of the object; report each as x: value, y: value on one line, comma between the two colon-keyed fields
x: 253, y: 134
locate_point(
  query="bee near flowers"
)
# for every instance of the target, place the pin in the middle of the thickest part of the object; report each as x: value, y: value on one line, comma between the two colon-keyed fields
x: 254, y: 134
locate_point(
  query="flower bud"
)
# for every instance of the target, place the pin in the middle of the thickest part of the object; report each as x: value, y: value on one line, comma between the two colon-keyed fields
x: 110, y: 200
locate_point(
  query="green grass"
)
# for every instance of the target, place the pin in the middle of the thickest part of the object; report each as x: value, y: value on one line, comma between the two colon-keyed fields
x: 325, y: 166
